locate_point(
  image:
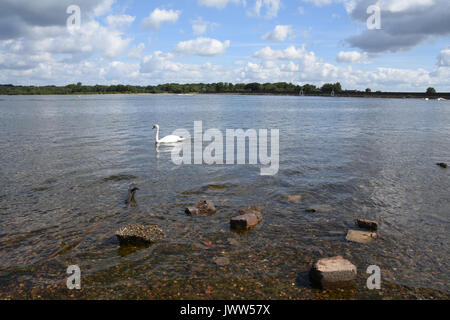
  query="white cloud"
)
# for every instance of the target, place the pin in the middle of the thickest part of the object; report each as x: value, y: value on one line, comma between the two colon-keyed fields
x: 271, y: 8
x: 120, y: 21
x: 159, y: 16
x: 219, y: 4
x: 202, y: 47
x: 280, y: 33
x: 352, y: 57
x: 200, y: 26
x: 136, y: 51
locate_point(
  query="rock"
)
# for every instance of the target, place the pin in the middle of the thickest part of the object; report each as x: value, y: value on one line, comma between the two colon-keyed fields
x: 203, y: 208
x: 318, y: 208
x: 246, y: 221
x: 360, y: 236
x: 294, y: 198
x: 233, y: 242
x: 251, y: 209
x: 442, y: 165
x: 221, y: 261
x: 367, y: 224
x: 139, y: 234
x: 332, y: 272
x: 131, y: 193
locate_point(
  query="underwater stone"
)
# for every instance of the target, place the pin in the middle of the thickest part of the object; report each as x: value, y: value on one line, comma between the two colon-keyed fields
x: 246, y: 221
x: 360, y: 236
x: 139, y: 234
x: 202, y: 208
x: 367, y: 224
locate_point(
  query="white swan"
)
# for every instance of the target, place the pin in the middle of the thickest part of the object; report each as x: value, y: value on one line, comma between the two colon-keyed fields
x: 167, y: 139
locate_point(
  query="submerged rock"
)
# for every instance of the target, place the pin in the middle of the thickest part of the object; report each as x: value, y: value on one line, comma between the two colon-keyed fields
x: 294, y: 198
x: 360, y: 236
x: 332, y: 272
x: 442, y: 165
x: 367, y: 224
x: 248, y: 219
x: 202, y: 208
x: 139, y: 234
x: 251, y: 209
x: 221, y: 261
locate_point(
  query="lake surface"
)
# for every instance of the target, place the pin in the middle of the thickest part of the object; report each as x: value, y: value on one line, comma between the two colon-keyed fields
x: 67, y: 162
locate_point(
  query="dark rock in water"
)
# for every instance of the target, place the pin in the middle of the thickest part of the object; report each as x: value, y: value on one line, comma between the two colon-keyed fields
x: 251, y: 209
x: 442, y: 165
x: 367, y: 224
x: 246, y: 221
x: 203, y: 208
x: 332, y: 273
x: 139, y: 234
x: 131, y: 193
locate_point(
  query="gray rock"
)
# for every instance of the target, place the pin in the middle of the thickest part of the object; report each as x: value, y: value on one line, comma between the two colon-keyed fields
x: 139, y: 234
x: 246, y: 221
x: 221, y: 261
x: 367, y: 224
x: 294, y: 198
x: 202, y: 208
x: 360, y: 236
x: 332, y: 273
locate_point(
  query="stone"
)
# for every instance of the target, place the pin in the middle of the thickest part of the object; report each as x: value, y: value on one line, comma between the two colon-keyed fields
x: 360, y: 236
x: 246, y: 221
x: 294, y: 198
x: 367, y: 224
x: 332, y: 273
x: 202, y: 208
x: 233, y: 242
x: 221, y: 261
x: 139, y: 234
x: 442, y: 165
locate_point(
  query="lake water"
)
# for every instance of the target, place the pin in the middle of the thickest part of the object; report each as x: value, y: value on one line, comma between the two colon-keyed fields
x: 67, y: 162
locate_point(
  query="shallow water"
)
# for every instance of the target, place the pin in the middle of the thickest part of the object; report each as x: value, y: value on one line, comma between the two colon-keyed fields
x: 66, y: 164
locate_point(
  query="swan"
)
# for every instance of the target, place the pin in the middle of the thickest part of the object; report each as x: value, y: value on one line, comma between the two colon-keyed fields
x: 167, y: 139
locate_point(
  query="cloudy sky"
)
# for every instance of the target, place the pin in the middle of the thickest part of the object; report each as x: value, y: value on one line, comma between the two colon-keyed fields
x: 299, y: 41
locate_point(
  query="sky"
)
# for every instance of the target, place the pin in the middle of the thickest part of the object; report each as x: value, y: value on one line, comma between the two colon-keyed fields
x: 151, y: 42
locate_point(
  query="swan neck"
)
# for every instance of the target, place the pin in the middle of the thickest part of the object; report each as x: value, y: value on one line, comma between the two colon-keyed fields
x: 157, y: 134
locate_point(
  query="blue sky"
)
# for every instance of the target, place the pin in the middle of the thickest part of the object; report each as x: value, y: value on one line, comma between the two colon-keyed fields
x: 299, y: 41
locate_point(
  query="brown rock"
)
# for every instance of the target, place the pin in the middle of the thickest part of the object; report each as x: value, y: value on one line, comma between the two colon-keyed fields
x: 246, y: 221
x: 367, y: 224
x: 360, y: 236
x: 202, y: 208
x: 332, y: 272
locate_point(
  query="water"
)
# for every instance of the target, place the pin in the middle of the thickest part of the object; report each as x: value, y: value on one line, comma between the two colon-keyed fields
x: 67, y: 162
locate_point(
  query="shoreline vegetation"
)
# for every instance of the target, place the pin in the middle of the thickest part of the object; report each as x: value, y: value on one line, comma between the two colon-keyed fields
x: 279, y: 88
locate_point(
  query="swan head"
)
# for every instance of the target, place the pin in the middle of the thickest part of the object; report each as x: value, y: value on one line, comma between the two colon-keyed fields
x: 155, y: 126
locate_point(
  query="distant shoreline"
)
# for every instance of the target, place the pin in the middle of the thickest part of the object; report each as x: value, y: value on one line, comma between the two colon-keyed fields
x: 380, y: 95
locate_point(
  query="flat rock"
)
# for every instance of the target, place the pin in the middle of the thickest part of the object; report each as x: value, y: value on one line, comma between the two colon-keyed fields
x: 221, y: 261
x: 367, y: 224
x: 294, y: 198
x: 202, y: 208
x: 139, y: 234
x: 246, y: 221
x: 332, y: 272
x: 360, y: 236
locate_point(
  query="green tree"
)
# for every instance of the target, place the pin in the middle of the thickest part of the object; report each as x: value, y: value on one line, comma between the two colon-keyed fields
x: 431, y: 90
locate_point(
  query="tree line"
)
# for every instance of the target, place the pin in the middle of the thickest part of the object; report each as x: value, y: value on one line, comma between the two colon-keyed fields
x: 220, y: 87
